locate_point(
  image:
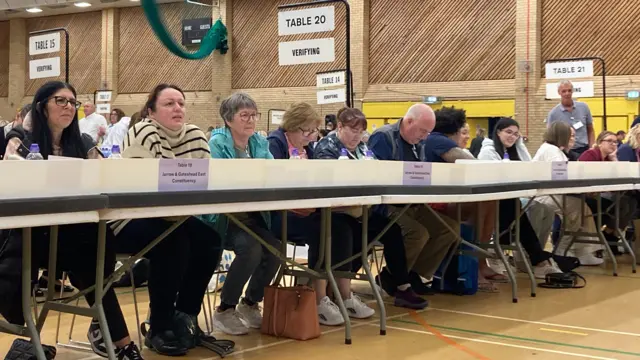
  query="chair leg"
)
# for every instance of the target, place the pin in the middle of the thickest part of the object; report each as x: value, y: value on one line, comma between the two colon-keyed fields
x: 135, y: 306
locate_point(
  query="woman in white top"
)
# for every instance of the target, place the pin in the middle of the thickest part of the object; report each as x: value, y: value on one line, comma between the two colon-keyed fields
x: 556, y: 140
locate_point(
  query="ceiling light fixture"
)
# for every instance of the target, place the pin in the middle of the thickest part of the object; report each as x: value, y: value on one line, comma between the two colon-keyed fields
x: 82, y: 4
x: 34, y: 10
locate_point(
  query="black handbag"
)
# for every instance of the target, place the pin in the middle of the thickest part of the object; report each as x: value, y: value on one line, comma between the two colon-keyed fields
x: 22, y: 349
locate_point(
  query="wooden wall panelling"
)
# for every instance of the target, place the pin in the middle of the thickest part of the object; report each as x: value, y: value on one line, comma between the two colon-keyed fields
x: 4, y: 59
x: 145, y: 62
x: 416, y: 41
x: 609, y: 29
x: 84, y: 50
x: 255, y: 47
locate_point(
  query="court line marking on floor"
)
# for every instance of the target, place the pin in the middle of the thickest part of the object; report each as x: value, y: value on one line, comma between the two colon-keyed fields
x: 537, y: 322
x: 341, y: 328
x: 564, y: 332
x: 444, y: 338
x: 506, y: 344
x: 519, y: 338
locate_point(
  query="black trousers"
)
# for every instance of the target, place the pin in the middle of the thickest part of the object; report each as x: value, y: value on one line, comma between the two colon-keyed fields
x: 181, y: 265
x: 77, y: 253
x: 346, y: 240
x: 528, y: 237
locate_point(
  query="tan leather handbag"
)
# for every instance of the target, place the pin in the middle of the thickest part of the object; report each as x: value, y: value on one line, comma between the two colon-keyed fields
x: 290, y: 312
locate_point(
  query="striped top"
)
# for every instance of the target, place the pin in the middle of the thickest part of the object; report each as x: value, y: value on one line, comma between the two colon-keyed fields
x: 149, y: 139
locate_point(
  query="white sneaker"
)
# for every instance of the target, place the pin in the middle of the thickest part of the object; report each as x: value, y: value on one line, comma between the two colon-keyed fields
x: 590, y: 260
x: 329, y: 313
x: 251, y: 315
x: 546, y: 267
x: 229, y: 322
x: 357, y: 309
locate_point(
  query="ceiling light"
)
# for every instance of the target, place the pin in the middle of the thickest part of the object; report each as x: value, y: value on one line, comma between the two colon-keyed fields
x: 34, y: 10
x: 82, y: 4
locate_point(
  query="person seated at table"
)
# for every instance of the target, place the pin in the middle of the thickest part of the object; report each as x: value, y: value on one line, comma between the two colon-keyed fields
x: 426, y: 239
x: 630, y: 150
x: 606, y: 149
x: 557, y: 139
x: 182, y: 263
x: 441, y: 145
x: 507, y: 143
x: 238, y: 140
x: 53, y: 126
x: 394, y: 278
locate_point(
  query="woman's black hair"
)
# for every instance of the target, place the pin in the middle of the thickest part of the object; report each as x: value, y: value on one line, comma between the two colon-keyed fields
x: 502, y: 124
x: 449, y: 120
x: 71, y: 140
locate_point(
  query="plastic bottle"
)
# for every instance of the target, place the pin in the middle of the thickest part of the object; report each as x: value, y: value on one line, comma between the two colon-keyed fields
x: 368, y: 155
x: 295, y: 154
x: 115, y: 152
x: 34, y: 153
x: 505, y: 157
x: 106, y: 151
x: 343, y: 154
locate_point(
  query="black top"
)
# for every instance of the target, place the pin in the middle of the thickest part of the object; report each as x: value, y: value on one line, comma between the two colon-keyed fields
x: 409, y: 152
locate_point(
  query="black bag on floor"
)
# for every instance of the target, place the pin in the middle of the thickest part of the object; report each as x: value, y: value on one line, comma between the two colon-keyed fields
x: 22, y: 349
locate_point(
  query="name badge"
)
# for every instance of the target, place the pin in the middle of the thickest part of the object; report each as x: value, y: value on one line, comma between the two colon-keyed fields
x: 578, y: 125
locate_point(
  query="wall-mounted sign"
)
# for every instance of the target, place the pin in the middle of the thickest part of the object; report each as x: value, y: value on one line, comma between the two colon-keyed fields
x: 306, y: 51
x: 103, y: 108
x: 568, y: 69
x: 103, y: 96
x: 319, y: 19
x: 332, y: 96
x: 633, y: 95
x: 44, y: 68
x: 44, y: 44
x: 328, y: 79
x: 581, y: 89
x: 277, y: 116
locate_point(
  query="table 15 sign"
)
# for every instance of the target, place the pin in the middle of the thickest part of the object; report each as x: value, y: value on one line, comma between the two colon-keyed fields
x: 183, y: 174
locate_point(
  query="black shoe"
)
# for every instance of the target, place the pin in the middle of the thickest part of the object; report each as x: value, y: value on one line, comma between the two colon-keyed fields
x: 420, y: 287
x: 129, y: 352
x: 186, y: 329
x: 96, y: 340
x: 164, y: 343
x: 408, y: 299
x: 385, y: 281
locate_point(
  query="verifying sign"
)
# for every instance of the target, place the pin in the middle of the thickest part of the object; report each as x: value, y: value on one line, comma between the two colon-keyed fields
x: 306, y: 21
x: 44, y: 68
x: 103, y: 108
x: 568, y: 69
x: 334, y: 78
x: 332, y: 96
x: 307, y: 51
x: 581, y: 89
x: 44, y: 44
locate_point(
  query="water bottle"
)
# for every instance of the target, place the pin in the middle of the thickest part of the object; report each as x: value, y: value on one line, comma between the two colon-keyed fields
x: 34, y: 153
x: 105, y: 151
x: 505, y: 157
x: 295, y: 154
x: 368, y: 155
x: 115, y: 152
x: 343, y: 154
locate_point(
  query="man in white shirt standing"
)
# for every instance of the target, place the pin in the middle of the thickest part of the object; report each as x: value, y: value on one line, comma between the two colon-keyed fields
x: 93, y: 124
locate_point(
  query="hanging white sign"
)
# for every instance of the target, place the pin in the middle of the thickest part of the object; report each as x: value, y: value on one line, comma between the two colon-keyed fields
x: 44, y: 68
x: 319, y: 19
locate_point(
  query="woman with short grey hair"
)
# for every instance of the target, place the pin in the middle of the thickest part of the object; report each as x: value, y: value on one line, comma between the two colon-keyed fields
x: 238, y: 140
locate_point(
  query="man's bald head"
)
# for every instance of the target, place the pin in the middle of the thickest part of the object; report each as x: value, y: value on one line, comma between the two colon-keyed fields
x: 89, y: 108
x: 417, y: 123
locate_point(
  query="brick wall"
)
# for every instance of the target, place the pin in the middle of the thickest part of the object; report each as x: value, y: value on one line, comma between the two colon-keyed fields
x: 527, y: 88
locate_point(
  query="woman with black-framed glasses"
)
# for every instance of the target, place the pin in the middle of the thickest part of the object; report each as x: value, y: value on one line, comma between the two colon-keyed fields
x: 54, y: 128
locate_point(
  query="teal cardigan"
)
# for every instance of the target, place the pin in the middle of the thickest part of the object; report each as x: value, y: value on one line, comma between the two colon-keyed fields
x: 221, y: 145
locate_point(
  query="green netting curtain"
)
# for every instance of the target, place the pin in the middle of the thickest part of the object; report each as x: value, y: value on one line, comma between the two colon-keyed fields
x: 215, y: 39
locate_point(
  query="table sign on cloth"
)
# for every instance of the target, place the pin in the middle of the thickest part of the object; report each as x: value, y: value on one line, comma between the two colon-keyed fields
x: 560, y: 170
x: 416, y: 173
x: 183, y: 174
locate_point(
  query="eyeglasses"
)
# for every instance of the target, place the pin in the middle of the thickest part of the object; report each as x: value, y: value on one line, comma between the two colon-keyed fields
x: 63, y: 101
x: 309, y: 132
x: 511, y: 133
x: 247, y: 117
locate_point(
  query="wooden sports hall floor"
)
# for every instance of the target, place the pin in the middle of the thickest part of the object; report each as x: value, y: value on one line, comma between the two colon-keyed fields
x: 600, y: 321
